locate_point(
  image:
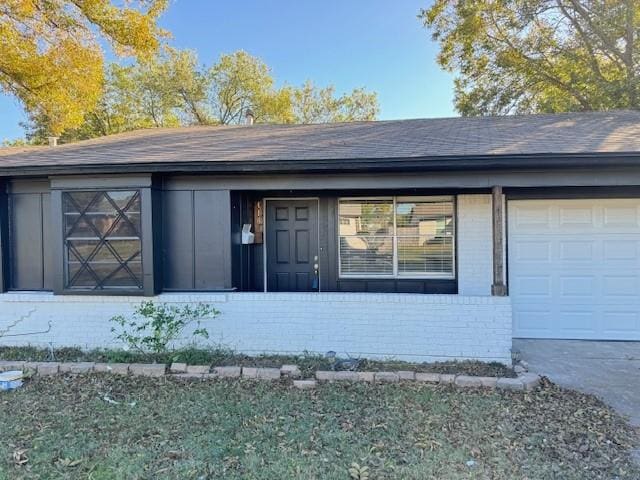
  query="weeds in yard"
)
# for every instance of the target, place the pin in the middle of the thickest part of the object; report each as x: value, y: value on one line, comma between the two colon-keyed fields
x: 153, y: 327
x: 219, y: 356
x: 61, y: 428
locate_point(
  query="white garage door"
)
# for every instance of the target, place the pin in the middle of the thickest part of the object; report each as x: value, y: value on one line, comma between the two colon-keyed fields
x: 574, y: 268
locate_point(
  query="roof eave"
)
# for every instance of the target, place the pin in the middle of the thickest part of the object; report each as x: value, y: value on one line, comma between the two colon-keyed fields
x: 361, y: 165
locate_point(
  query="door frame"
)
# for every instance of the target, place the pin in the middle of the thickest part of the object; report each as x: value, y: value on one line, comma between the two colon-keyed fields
x: 264, y: 243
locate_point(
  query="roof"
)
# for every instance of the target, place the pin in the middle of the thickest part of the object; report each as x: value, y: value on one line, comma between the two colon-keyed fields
x: 438, y: 143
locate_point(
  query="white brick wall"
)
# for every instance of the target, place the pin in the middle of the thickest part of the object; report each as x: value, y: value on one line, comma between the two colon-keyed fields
x: 475, y: 245
x: 404, y: 326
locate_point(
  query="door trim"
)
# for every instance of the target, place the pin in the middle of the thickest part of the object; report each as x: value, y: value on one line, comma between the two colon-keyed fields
x: 264, y: 244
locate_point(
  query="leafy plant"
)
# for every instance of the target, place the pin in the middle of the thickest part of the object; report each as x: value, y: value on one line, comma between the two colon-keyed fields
x: 153, y: 327
x: 357, y: 472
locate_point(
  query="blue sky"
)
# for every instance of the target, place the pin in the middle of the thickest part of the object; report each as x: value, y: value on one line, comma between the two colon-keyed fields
x: 376, y: 44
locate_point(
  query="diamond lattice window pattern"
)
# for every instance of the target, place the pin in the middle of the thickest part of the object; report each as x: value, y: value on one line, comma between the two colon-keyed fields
x: 103, y: 247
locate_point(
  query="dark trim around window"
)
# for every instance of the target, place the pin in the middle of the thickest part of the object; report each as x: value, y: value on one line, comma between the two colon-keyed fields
x: 145, y: 283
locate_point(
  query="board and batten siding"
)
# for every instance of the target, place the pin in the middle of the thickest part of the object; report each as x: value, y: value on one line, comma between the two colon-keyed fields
x: 196, y: 240
x: 29, y: 235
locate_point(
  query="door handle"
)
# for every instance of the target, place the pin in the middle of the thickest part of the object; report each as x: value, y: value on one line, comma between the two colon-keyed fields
x: 316, y: 274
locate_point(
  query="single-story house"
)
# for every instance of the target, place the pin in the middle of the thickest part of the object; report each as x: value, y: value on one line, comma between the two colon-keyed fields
x: 416, y: 239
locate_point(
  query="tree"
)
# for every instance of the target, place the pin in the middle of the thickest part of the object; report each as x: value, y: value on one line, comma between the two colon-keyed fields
x: 539, y: 55
x: 320, y: 105
x: 172, y: 89
x: 50, y: 57
x: 241, y: 82
x: 190, y: 84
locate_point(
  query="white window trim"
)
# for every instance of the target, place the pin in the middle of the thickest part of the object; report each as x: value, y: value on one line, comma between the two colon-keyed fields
x: 396, y: 274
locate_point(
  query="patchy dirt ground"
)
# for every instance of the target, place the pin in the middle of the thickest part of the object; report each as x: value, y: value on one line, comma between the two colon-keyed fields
x: 109, y: 427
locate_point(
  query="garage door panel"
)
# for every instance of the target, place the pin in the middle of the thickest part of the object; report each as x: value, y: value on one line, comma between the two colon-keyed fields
x: 536, y: 322
x: 621, y: 250
x: 573, y: 250
x: 533, y: 251
x: 621, y: 216
x: 574, y: 268
x: 620, y: 286
x: 575, y: 323
x: 572, y: 288
x: 533, y: 286
x: 620, y: 322
x: 577, y: 216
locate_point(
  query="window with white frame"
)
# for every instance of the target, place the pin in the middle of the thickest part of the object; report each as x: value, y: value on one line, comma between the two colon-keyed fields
x: 397, y: 237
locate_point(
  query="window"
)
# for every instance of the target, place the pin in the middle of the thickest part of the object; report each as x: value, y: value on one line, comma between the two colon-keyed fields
x: 397, y: 237
x: 102, y: 240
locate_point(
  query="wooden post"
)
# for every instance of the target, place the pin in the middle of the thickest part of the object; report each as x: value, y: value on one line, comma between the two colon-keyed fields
x: 498, y: 288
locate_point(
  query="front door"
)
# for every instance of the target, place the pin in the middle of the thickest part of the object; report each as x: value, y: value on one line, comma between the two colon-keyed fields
x: 292, y: 245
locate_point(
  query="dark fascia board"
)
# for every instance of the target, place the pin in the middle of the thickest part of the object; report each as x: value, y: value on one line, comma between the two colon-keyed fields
x: 418, y: 164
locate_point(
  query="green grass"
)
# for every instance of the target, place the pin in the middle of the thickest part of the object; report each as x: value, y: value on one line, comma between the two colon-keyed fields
x: 163, y: 429
x: 308, y: 363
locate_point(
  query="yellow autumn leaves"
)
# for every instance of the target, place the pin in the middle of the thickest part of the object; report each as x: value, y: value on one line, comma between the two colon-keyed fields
x: 50, y: 58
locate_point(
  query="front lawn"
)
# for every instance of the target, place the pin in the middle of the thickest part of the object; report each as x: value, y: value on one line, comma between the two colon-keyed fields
x: 71, y: 427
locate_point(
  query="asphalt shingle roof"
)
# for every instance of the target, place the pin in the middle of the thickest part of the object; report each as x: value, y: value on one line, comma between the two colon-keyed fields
x: 571, y: 133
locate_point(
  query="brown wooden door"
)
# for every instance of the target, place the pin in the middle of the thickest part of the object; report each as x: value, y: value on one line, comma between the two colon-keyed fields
x: 292, y: 245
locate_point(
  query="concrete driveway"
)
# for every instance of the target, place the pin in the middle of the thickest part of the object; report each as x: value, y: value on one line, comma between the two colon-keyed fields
x: 609, y: 370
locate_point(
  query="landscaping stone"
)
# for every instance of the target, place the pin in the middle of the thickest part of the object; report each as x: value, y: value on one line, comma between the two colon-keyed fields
x: 101, y: 367
x: 366, y: 377
x: 325, y: 375
x: 510, y: 384
x: 228, y: 372
x: 148, y: 369
x: 77, y: 367
x: 346, y: 376
x: 428, y: 377
x: 387, y: 377
x: 488, y: 382
x: 530, y: 381
x: 447, y: 378
x: 268, y: 374
x: 8, y: 365
x: 291, y: 371
x: 188, y: 376
x: 249, y: 372
x: 209, y: 376
x: 32, y: 367
x: 406, y: 375
x: 305, y: 384
x: 198, y: 369
x: 48, y: 368
x: 468, y: 381
x: 119, y: 368
x: 178, y: 368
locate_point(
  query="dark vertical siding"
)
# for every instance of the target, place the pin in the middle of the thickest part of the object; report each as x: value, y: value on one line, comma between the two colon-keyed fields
x: 30, y: 241
x: 4, y: 237
x: 212, y: 215
x: 47, y: 242
x: 196, y: 240
x: 179, y: 256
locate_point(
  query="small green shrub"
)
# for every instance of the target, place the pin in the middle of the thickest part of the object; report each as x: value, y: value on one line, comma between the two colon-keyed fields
x: 152, y: 327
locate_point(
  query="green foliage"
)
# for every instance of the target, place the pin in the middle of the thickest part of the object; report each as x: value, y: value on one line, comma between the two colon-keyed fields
x: 172, y: 89
x: 539, y: 55
x: 320, y: 105
x: 153, y: 327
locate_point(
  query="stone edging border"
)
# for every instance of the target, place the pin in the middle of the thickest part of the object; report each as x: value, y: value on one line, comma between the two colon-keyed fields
x: 525, y: 381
